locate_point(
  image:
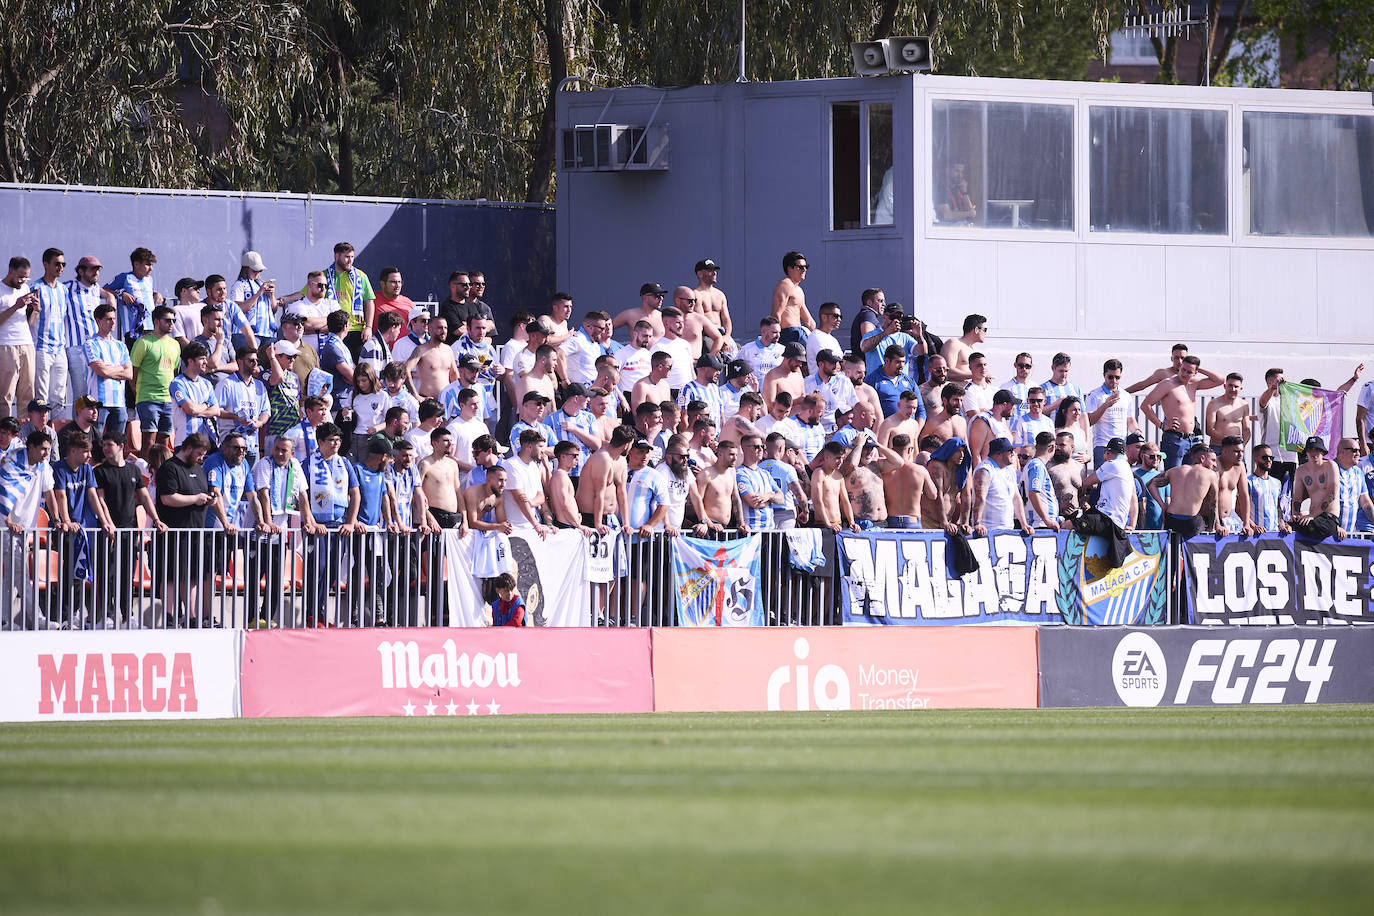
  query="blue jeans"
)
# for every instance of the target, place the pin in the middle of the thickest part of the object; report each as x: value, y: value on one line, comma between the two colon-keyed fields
x: 154, y: 417
x: 118, y: 417
x: 1174, y: 446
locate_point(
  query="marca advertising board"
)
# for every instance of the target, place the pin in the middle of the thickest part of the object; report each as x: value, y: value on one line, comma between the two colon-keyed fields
x: 760, y: 669
x: 445, y: 672
x: 1205, y: 666
x: 139, y: 674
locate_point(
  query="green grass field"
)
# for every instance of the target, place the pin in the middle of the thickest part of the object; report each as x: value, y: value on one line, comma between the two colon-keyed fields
x: 1145, y: 811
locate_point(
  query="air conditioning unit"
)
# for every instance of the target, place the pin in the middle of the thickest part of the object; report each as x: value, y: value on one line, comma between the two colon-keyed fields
x: 614, y: 148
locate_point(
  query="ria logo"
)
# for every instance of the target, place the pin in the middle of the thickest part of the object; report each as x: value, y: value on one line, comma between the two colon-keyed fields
x: 1139, y: 671
x: 829, y: 689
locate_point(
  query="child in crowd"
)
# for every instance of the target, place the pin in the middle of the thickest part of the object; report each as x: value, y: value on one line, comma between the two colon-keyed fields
x: 370, y: 403
x: 507, y: 608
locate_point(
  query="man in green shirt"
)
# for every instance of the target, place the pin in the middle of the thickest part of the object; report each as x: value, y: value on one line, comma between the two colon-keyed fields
x: 155, y: 357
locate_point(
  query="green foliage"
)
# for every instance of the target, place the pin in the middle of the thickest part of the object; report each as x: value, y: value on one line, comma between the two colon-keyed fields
x: 1339, y: 30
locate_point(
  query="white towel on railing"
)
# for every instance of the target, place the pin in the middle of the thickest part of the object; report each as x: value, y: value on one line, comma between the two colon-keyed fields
x: 806, y: 548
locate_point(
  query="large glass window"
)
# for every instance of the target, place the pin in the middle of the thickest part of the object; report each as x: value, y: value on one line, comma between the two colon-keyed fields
x: 1308, y: 174
x: 1003, y: 164
x: 1157, y: 170
x: 860, y: 164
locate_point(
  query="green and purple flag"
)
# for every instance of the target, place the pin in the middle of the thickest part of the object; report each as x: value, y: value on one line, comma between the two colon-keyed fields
x: 1306, y: 411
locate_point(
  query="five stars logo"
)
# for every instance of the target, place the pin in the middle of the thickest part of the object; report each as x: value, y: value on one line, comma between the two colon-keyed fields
x: 452, y: 707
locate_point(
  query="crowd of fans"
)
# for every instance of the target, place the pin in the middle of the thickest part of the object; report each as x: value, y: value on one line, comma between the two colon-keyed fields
x: 337, y: 407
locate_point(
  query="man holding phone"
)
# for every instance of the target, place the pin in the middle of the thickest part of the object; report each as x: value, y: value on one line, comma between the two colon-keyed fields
x: 16, y: 341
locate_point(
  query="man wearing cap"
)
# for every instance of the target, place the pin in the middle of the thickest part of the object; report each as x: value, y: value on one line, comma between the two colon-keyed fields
x: 1109, y: 412
x: 154, y: 357
x: 712, y: 301
x: 735, y: 379
x: 533, y: 408
x: 574, y: 423
x: 891, y: 380
x: 650, y: 302
x: 283, y: 391
x: 468, y: 370
x: 788, y: 376
x: 39, y: 413
x: 417, y: 324
x: 763, y: 354
x: 986, y: 425
x: 187, y: 308
x: 84, y: 294
x: 996, y: 498
x: 1133, y: 443
x: 832, y: 387
x: 704, y: 388
x: 1317, y: 480
x: 675, y: 345
x: 85, y: 413
x: 256, y: 300
x: 389, y: 298
x: 48, y: 325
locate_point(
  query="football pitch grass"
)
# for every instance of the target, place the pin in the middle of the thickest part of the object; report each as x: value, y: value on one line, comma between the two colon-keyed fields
x: 1037, y: 811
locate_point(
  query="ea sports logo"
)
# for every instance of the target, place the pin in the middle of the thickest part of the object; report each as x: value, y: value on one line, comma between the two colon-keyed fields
x: 1139, y: 671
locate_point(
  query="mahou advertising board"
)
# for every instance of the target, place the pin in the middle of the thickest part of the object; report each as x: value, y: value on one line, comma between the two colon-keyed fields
x: 759, y: 669
x: 445, y: 672
x: 140, y: 674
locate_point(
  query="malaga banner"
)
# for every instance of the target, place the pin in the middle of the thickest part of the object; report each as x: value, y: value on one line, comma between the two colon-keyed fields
x: 1306, y: 411
x: 1277, y: 579
x: 717, y: 582
x: 905, y: 578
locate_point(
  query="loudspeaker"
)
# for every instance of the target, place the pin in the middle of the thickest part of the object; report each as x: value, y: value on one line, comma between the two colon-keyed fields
x: 908, y: 52
x: 870, y: 58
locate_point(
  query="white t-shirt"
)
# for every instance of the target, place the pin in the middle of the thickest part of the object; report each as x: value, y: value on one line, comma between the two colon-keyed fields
x: 524, y: 477
x: 307, y: 309
x: 580, y: 355
x: 285, y: 486
x: 634, y: 365
x: 1112, y: 424
x: 1367, y: 402
x: 14, y: 331
x: 1117, y: 491
x: 999, y: 507
x: 978, y: 398
x: 816, y: 341
x: 683, y: 370
x: 464, y: 434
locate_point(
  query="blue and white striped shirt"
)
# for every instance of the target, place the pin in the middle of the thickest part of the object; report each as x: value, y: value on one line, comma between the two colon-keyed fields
x: 1038, y: 481
x: 22, y: 486
x: 758, y: 481
x: 106, y: 391
x: 246, y: 399
x: 520, y: 426
x: 403, y: 484
x: 186, y: 391
x: 1024, y: 428
x: 559, y: 422
x: 1019, y: 389
x: 729, y: 400
x: 647, y: 491
x: 232, y: 483
x: 1351, y: 487
x: 79, y: 318
x: 1265, y: 509
x: 1055, y: 393
x: 137, y: 319
x: 708, y: 394
x: 49, y: 333
x: 258, y: 315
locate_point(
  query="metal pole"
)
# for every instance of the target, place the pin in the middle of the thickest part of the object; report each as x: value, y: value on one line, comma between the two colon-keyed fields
x: 741, y: 78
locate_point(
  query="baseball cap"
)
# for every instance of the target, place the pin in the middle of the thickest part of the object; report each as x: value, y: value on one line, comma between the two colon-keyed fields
x: 999, y: 445
x: 188, y: 283
x: 641, y: 444
x: 737, y: 368
x: 253, y: 261
x: 379, y: 445
x: 533, y: 396
x: 706, y: 264
x: 794, y: 350
x: 293, y: 318
x: 470, y: 362
x: 652, y: 289
x: 1116, y: 444
x: 538, y: 327
x: 575, y: 390
x: 36, y: 404
x: 286, y: 348
x: 709, y: 361
x: 418, y: 312
x: 1134, y: 439
x: 85, y: 401
x: 89, y: 260
x: 827, y: 356
x: 1003, y: 396
x: 1315, y: 443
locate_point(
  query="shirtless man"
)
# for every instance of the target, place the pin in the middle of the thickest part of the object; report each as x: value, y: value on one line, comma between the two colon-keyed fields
x: 930, y: 389
x: 829, y: 495
x: 789, y: 302
x: 486, y: 498
x: 701, y: 335
x: 1228, y: 415
x: 903, y: 422
x: 1175, y: 396
x: 947, y: 467
x: 863, y: 480
x: 866, y: 393
x: 559, y: 488
x: 654, y: 386
x: 906, y: 485
x: 441, y: 480
x: 987, y: 425
x: 948, y: 422
x: 1162, y: 375
x: 1233, y: 493
x: 539, y: 378
x: 742, y: 423
x: 560, y: 313
x: 1316, y: 479
x: 432, y: 364
x: 957, y: 349
x: 712, y: 301
x: 601, y: 487
x: 719, y: 487
x: 650, y: 302
x: 1190, y: 486
x: 787, y: 376
x: 1066, y: 474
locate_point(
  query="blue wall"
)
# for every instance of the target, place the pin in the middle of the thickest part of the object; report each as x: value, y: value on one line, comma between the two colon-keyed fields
x: 195, y: 234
